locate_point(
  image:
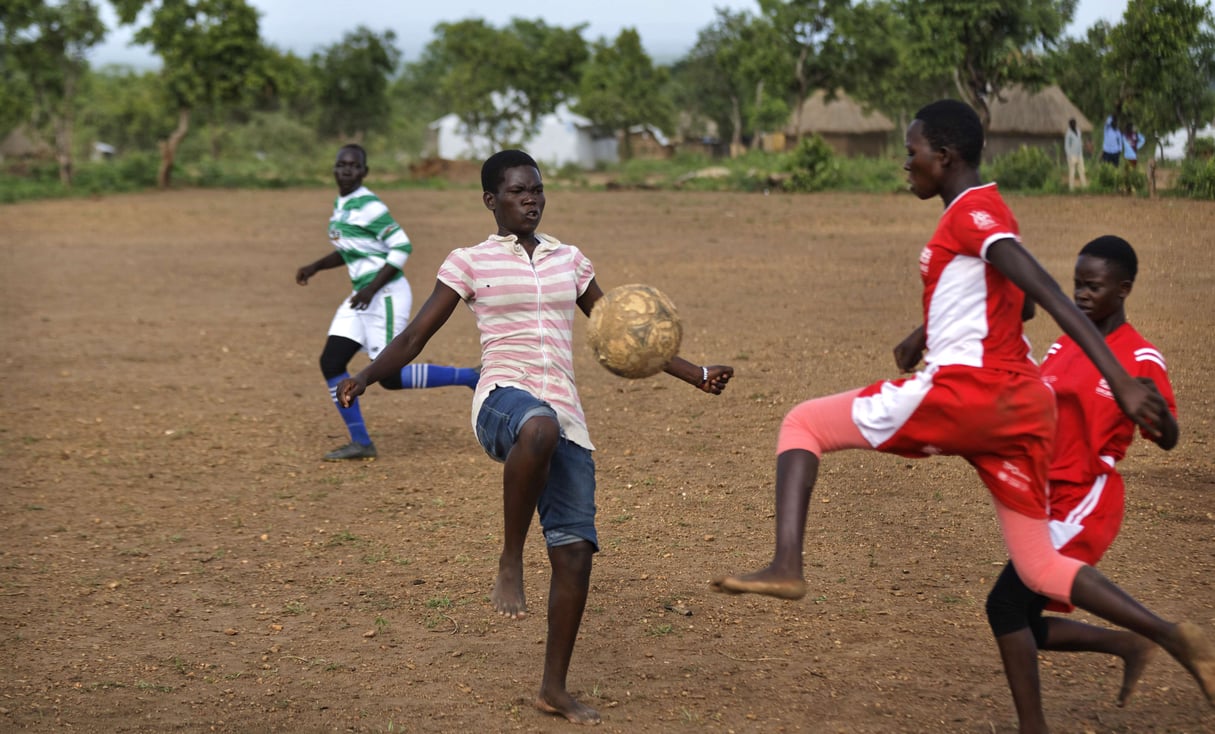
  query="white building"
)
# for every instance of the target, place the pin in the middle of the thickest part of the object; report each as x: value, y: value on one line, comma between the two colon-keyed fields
x: 561, y: 138
x: 1173, y: 146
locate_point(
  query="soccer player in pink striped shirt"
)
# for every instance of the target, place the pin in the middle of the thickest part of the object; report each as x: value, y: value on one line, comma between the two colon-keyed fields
x: 524, y: 288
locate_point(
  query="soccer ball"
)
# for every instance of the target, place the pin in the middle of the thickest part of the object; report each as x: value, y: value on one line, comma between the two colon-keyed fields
x: 634, y: 330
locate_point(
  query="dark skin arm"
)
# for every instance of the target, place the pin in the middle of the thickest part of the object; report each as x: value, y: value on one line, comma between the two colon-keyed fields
x: 1170, y: 432
x: 406, y: 346
x: 1141, y: 404
x: 362, y: 298
x: 678, y: 367
x: 907, y: 353
x: 332, y: 260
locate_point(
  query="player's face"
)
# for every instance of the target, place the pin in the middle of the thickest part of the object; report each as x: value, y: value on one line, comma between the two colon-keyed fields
x: 923, y: 164
x: 1099, y: 288
x: 519, y: 203
x: 349, y: 170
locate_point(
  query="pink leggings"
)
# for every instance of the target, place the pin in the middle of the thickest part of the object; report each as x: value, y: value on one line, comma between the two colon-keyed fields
x: 825, y: 424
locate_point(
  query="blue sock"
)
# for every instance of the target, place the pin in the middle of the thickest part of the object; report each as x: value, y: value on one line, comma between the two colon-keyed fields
x: 414, y: 376
x: 352, y: 415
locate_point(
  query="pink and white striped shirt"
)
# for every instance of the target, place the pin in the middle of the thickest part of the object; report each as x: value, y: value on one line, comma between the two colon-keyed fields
x: 525, y: 310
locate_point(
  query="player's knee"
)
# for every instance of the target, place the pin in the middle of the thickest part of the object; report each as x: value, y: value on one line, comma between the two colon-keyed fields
x: 539, y: 434
x: 392, y: 382
x: 1004, y: 614
x: 332, y: 364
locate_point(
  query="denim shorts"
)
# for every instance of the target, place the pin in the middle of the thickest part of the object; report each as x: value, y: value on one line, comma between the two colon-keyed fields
x: 567, y: 503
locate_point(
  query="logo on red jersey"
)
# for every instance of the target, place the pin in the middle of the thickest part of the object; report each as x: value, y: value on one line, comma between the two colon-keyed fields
x: 1011, y: 475
x: 1103, y: 389
x: 982, y: 219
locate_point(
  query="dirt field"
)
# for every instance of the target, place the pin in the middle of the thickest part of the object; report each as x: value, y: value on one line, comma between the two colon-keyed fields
x: 177, y: 558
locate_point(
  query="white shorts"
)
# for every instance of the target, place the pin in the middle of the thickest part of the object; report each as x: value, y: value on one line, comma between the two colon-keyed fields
x: 386, y: 316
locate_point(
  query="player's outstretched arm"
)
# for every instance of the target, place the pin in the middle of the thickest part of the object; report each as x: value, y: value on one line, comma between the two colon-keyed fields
x: 332, y: 260
x: 710, y: 378
x: 1140, y: 404
x: 406, y: 346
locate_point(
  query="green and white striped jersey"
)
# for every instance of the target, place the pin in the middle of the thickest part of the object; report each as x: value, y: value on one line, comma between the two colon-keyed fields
x: 367, y: 236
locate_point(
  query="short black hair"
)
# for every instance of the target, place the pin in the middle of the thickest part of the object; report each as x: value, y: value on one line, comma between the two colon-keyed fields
x: 1116, y: 251
x: 948, y: 123
x: 493, y: 171
x: 357, y: 148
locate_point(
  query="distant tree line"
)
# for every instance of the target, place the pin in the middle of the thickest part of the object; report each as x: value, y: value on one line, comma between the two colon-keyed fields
x: 746, y: 74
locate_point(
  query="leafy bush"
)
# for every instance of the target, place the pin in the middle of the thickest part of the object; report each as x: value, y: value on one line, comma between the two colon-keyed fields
x: 1119, y: 179
x: 1203, y: 148
x: 1197, y: 177
x: 813, y: 166
x: 1028, y: 168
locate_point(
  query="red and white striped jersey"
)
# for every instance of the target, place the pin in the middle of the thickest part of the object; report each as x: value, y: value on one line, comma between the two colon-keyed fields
x: 1093, y: 433
x: 972, y: 313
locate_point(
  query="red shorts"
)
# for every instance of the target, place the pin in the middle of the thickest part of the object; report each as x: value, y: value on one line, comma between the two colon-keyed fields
x: 1002, y: 422
x: 1085, y: 519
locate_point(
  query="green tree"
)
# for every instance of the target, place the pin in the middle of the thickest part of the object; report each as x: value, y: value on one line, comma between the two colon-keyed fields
x: 621, y: 88
x: 547, y: 68
x: 1163, y: 54
x: 985, y: 44
x: 354, y: 79
x: 880, y: 71
x: 125, y: 108
x: 728, y: 75
x: 1079, y: 67
x: 809, y: 32
x: 500, y: 82
x: 211, y: 52
x: 16, y: 94
x: 48, y: 44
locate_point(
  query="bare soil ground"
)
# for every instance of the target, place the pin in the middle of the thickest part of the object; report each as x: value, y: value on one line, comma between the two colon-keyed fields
x: 176, y: 557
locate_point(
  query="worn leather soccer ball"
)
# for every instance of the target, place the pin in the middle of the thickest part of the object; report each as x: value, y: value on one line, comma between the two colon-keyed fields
x: 634, y: 330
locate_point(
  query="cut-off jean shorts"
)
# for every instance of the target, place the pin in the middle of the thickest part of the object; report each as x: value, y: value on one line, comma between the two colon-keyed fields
x: 567, y: 503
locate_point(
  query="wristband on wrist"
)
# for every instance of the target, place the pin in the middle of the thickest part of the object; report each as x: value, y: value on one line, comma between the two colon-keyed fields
x: 704, y: 375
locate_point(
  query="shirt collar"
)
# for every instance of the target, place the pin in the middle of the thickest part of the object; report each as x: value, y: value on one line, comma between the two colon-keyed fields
x: 511, y: 242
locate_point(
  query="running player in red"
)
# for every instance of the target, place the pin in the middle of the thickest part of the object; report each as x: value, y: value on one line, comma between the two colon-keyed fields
x: 978, y: 396
x: 1085, y: 495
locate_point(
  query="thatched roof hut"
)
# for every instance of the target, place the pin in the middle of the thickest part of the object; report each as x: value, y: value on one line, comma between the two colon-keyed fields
x: 1021, y: 117
x: 23, y: 143
x: 842, y: 122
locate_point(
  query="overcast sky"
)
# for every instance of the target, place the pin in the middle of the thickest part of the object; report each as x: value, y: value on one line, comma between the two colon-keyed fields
x: 667, y: 28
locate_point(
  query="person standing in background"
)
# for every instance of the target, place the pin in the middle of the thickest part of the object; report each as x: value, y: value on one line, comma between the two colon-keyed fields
x: 1130, y: 145
x: 1073, y: 147
x: 1111, y: 140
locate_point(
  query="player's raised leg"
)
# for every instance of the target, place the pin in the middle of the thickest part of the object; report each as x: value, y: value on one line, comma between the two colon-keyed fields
x: 796, y: 472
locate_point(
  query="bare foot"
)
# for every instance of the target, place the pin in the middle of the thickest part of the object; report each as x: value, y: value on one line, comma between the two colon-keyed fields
x: 564, y: 704
x: 1135, y: 661
x: 507, y: 596
x: 1197, y: 654
x: 767, y: 582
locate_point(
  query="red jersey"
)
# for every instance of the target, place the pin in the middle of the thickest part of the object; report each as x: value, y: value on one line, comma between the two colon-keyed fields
x: 1093, y: 433
x: 972, y: 313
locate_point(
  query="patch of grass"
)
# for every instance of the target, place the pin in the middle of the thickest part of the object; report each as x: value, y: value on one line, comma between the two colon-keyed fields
x: 439, y: 602
x: 294, y: 608
x: 342, y: 538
